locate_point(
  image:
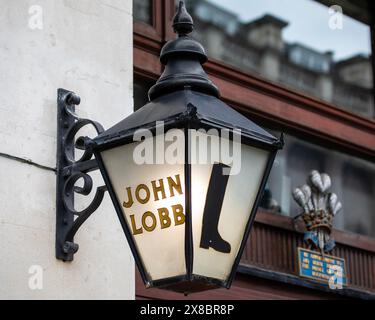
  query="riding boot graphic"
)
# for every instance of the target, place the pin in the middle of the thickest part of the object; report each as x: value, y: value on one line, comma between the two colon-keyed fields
x: 210, y: 237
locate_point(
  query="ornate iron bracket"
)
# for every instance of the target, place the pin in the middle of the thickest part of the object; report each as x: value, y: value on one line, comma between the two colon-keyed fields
x: 70, y: 171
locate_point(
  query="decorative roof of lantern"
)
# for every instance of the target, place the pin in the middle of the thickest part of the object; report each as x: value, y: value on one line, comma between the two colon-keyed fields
x: 183, y: 58
x: 184, y: 92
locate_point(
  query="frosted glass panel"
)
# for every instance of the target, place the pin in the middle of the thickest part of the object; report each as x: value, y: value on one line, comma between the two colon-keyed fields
x: 153, y: 204
x: 230, y: 222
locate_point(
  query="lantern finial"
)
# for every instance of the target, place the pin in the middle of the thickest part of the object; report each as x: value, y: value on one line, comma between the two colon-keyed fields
x: 182, y: 22
x: 183, y: 59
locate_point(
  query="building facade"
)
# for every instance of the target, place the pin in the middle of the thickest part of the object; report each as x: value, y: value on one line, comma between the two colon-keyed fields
x: 323, y: 104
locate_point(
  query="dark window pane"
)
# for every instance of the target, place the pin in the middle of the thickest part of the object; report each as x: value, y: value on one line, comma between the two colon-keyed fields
x: 142, y: 11
x: 140, y: 91
x: 353, y: 180
x: 297, y: 43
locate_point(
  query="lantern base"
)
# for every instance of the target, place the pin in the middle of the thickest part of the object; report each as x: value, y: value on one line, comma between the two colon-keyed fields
x: 181, y: 285
x: 189, y: 287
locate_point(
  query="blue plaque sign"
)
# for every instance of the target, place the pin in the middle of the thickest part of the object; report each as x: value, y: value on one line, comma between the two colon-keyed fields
x: 328, y: 269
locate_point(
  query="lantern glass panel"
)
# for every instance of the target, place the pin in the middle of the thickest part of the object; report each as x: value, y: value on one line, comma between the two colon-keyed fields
x: 152, y: 197
x: 222, y: 204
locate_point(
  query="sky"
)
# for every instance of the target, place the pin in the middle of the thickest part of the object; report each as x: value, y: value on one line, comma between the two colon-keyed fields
x: 308, y: 24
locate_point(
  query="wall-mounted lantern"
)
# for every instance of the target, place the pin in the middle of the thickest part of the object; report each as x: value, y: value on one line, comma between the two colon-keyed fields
x: 185, y: 174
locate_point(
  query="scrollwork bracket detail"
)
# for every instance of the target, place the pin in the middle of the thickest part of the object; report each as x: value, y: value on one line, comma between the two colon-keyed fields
x: 70, y: 171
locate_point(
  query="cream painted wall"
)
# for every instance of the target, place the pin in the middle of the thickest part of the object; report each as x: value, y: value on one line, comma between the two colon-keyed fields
x: 84, y: 46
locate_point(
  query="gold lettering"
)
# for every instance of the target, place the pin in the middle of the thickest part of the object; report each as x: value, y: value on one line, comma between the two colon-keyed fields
x: 165, y: 221
x: 315, y: 268
x: 129, y: 203
x: 153, y: 225
x: 317, y: 263
x: 158, y: 189
x: 174, y: 185
x: 134, y: 227
x: 138, y: 196
x: 178, y: 212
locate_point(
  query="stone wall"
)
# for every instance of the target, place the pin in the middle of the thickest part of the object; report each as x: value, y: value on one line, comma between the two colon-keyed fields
x: 84, y: 46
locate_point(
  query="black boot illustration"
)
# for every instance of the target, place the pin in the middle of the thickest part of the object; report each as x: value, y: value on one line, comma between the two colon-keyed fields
x: 210, y: 237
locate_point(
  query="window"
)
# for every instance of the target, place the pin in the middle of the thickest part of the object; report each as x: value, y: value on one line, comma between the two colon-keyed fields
x: 291, y: 42
x: 142, y: 10
x: 353, y: 180
x: 140, y: 89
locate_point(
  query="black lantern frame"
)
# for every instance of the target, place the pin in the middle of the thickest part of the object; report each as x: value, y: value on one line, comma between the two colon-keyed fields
x: 183, y: 98
x: 190, y: 118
